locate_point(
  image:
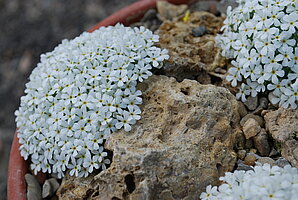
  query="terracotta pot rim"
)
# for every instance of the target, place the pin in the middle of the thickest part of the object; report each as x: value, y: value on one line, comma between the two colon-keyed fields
x: 18, y: 167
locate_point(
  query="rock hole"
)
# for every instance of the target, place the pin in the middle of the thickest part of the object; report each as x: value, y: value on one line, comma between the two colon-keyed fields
x: 130, y: 184
x: 115, y: 198
x: 185, y: 91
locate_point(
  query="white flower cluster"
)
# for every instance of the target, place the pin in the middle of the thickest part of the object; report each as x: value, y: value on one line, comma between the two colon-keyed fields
x: 261, y: 36
x: 262, y: 183
x: 80, y: 93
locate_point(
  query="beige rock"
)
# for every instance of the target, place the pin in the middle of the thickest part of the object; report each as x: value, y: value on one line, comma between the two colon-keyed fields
x: 263, y: 160
x: 250, y: 160
x: 259, y: 119
x: 168, y: 11
x: 183, y: 143
x: 251, y: 128
x: 190, y: 55
x: 282, y: 124
x: 74, y: 187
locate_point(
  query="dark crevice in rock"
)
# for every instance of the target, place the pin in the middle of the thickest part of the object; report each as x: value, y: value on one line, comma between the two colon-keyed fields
x: 130, y: 184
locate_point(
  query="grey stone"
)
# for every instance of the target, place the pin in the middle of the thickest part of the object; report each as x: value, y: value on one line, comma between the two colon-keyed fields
x: 49, y: 187
x: 33, y: 188
x: 263, y: 104
x: 273, y: 152
x: 199, y: 31
x: 242, y: 166
x: 251, y: 103
x: 282, y: 162
x: 242, y: 110
x: 261, y: 143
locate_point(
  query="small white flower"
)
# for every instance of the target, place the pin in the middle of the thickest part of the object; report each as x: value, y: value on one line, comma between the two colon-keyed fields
x: 79, y: 93
x: 261, y: 37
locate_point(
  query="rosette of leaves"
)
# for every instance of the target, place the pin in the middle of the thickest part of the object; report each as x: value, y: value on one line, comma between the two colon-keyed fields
x: 80, y: 93
x: 261, y: 183
x: 260, y: 36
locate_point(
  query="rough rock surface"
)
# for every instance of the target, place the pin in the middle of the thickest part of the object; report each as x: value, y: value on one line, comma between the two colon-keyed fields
x: 261, y: 143
x: 190, y: 55
x: 282, y: 125
x: 183, y: 143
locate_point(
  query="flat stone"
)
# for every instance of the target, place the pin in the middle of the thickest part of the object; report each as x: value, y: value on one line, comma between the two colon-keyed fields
x: 264, y: 160
x: 183, y: 142
x: 251, y: 128
x: 49, y: 187
x: 251, y: 103
x: 282, y: 125
x: 261, y: 143
x: 33, y: 188
x: 242, y: 166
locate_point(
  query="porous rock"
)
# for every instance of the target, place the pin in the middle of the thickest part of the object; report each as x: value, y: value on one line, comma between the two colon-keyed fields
x: 190, y: 55
x: 282, y: 125
x: 183, y: 142
x: 33, y: 188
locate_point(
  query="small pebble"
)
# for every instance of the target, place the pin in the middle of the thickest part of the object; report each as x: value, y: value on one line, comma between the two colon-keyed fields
x: 281, y: 162
x: 273, y: 153
x: 251, y: 103
x: 33, y: 188
x: 49, y: 187
x: 250, y: 160
x: 263, y: 160
x: 242, y: 110
x: 244, y: 167
x: 263, y: 104
x: 251, y: 128
x: 261, y: 143
x: 241, y: 154
x: 199, y: 31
